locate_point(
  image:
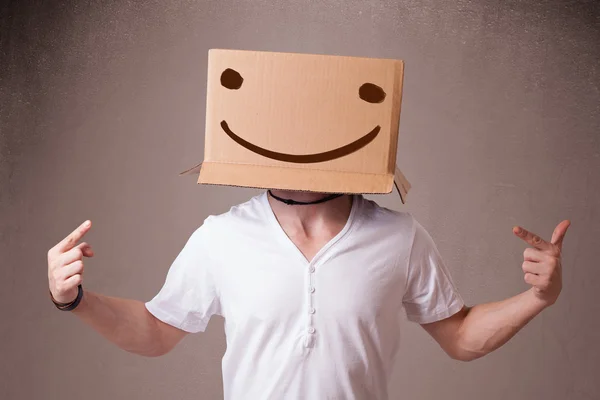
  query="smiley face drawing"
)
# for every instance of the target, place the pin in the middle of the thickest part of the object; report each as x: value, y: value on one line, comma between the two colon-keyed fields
x: 301, y: 121
x: 368, y: 92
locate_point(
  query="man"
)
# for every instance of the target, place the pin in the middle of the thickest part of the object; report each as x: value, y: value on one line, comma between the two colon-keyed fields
x: 312, y: 294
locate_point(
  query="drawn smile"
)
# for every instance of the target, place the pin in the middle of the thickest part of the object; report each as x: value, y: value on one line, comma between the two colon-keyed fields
x: 304, y: 158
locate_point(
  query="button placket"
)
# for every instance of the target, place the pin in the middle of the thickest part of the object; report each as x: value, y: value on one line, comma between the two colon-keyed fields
x: 310, y: 329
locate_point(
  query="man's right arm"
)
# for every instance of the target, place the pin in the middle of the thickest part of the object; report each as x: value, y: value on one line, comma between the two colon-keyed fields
x: 126, y: 323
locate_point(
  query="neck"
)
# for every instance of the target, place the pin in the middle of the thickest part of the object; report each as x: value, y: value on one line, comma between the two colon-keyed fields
x: 309, y: 219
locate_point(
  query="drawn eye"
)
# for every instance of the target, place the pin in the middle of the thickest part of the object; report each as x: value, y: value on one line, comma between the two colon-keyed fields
x: 231, y: 79
x: 371, y: 93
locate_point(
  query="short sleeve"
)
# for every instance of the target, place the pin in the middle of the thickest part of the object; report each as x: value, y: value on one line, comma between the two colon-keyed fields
x: 189, y: 296
x: 430, y: 292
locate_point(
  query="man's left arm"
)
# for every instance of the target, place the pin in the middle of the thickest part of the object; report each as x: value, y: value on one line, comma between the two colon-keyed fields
x: 476, y: 331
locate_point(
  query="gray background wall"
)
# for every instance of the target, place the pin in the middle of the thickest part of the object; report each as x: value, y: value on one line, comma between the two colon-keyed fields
x: 102, y: 104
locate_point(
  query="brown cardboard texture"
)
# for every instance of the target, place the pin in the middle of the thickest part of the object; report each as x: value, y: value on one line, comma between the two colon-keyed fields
x: 302, y: 122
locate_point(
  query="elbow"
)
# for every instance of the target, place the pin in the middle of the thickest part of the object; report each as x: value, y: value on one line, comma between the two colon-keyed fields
x: 153, y: 355
x: 464, y: 356
x: 159, y: 340
x: 149, y: 353
x: 150, y: 346
x: 467, y: 348
x: 157, y: 348
x: 465, y: 352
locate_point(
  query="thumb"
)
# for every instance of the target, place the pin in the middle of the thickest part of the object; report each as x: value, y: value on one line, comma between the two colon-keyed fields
x: 86, y: 249
x: 559, y: 233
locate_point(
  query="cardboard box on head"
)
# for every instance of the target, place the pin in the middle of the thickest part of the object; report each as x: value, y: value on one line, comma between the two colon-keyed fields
x: 302, y: 122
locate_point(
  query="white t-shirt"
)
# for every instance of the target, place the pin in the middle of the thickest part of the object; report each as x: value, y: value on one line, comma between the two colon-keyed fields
x: 325, y: 329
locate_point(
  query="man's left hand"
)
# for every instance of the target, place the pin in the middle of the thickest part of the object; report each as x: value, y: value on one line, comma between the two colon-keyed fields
x: 542, y: 265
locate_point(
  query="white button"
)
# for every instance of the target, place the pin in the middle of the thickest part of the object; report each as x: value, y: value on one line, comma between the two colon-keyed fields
x: 311, y: 269
x: 311, y: 310
x: 311, y: 289
x: 311, y: 330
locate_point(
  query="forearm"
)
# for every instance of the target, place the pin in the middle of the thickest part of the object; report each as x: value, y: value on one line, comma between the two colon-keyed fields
x: 487, y: 327
x: 127, y: 323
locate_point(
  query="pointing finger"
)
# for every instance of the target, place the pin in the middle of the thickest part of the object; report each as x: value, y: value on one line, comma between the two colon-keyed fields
x: 532, y: 239
x: 70, y: 241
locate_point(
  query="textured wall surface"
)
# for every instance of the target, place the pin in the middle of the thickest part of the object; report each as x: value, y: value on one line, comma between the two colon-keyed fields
x: 102, y: 104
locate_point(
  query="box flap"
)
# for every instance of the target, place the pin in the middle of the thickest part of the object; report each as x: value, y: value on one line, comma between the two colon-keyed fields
x: 402, y: 184
x: 194, y: 170
x: 209, y: 173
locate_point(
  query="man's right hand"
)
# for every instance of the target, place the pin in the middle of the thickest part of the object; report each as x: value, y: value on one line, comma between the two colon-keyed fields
x: 65, y: 264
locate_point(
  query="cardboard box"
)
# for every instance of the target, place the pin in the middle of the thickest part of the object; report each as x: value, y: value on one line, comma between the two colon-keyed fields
x: 302, y: 122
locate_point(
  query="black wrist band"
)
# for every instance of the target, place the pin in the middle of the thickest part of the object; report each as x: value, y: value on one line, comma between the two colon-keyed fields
x: 69, y: 306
